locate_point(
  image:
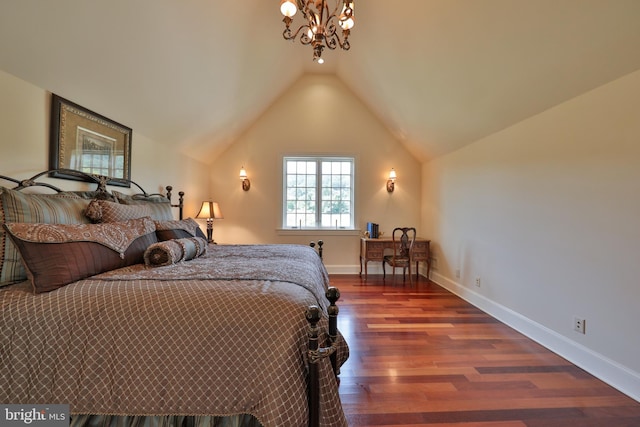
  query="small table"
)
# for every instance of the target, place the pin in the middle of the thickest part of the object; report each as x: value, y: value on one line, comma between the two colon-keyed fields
x: 373, y: 250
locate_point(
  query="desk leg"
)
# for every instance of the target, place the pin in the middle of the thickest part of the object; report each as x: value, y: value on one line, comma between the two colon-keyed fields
x: 363, y: 261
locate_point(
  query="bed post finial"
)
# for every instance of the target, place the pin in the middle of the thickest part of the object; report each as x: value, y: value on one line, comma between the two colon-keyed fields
x: 320, y: 243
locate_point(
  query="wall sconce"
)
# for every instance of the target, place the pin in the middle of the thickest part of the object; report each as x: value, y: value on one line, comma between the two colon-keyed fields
x: 246, y: 184
x: 210, y: 211
x: 391, y: 182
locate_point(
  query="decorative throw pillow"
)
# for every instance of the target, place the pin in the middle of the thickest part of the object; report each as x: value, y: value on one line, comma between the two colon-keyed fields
x: 99, y: 211
x: 16, y: 206
x: 160, y: 206
x: 178, y: 229
x: 57, y: 254
x: 173, y: 251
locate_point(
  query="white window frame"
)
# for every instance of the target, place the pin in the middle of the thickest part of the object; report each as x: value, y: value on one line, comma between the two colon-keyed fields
x: 317, y: 224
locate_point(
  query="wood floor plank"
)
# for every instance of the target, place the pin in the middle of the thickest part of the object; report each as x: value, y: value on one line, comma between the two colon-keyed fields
x: 421, y: 356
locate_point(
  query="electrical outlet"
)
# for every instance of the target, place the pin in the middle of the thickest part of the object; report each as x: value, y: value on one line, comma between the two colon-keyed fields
x: 478, y: 281
x: 579, y: 325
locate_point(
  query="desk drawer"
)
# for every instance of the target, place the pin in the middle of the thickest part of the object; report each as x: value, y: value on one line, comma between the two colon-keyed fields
x: 375, y: 245
x: 421, y: 250
x: 374, y: 254
x: 374, y: 250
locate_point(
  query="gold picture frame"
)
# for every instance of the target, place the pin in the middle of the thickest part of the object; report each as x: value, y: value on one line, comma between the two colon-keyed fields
x: 88, y: 142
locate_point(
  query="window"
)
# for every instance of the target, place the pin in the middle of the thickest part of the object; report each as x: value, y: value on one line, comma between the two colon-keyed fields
x: 318, y: 192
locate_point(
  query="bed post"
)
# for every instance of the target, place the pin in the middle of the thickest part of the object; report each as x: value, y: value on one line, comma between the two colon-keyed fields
x: 313, y: 317
x: 333, y: 295
x: 316, y: 353
x: 180, y: 204
x: 320, y: 243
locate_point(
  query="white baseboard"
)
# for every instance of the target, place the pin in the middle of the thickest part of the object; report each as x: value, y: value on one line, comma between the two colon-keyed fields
x: 372, y: 268
x: 343, y: 269
x: 618, y: 376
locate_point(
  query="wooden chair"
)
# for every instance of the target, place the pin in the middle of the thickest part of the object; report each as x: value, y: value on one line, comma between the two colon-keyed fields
x: 403, y: 241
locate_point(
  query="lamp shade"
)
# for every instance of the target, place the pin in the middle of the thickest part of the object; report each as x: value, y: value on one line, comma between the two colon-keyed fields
x: 210, y: 210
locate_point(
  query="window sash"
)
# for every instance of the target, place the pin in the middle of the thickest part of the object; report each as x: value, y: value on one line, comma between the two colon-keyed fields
x: 318, y: 193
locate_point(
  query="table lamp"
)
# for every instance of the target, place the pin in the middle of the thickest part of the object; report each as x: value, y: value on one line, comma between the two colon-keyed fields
x: 210, y: 211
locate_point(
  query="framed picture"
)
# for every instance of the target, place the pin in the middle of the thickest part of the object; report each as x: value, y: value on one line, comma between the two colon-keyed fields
x: 88, y: 142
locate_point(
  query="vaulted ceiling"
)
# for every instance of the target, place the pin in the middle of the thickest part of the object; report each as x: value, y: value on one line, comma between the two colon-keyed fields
x: 439, y: 74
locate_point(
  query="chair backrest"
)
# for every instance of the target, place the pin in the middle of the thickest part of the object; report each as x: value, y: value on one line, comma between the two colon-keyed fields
x: 403, y: 240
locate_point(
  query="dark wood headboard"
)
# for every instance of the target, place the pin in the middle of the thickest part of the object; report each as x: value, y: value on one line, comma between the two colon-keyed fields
x: 101, y: 185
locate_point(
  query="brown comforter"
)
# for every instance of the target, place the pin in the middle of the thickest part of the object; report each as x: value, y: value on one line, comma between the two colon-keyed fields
x: 219, y: 335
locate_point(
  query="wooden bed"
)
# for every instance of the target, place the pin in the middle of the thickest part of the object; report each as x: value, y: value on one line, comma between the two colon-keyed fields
x: 140, y: 322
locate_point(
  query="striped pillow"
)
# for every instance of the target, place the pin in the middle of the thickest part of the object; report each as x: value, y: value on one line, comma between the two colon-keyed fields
x: 178, y: 229
x: 58, y: 254
x: 160, y: 206
x: 15, y: 206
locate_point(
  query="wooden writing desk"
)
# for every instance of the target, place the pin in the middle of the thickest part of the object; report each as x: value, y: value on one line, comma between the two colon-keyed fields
x: 373, y: 250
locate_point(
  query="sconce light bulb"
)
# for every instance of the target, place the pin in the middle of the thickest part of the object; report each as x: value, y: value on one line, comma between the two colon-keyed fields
x: 246, y: 184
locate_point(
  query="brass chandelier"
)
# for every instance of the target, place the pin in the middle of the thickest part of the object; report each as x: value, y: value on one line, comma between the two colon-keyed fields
x: 320, y: 28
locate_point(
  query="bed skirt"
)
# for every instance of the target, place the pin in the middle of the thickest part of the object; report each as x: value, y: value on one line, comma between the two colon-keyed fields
x: 243, y: 420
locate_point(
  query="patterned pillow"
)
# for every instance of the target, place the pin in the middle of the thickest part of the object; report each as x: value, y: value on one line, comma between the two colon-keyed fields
x: 178, y: 229
x: 99, y: 211
x: 160, y: 206
x: 58, y: 254
x: 16, y: 206
x: 173, y: 251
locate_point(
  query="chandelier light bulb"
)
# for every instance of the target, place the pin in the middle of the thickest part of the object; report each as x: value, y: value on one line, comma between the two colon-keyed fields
x: 347, y: 24
x: 346, y: 16
x: 288, y: 8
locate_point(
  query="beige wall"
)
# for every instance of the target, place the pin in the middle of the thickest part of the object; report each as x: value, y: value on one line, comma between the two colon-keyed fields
x: 547, y: 214
x: 317, y: 115
x: 24, y: 146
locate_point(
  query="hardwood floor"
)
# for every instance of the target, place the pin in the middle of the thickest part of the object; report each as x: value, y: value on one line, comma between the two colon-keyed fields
x: 422, y: 356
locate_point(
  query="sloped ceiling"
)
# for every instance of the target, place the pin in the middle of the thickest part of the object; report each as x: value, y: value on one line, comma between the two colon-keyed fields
x: 439, y: 74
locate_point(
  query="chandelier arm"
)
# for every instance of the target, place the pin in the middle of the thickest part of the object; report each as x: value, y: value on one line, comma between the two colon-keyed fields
x: 333, y: 37
x: 304, y: 38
